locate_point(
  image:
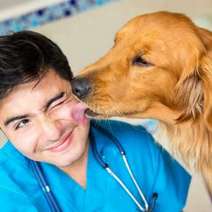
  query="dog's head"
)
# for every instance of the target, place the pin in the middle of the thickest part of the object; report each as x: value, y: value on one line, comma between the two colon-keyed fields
x: 159, y: 67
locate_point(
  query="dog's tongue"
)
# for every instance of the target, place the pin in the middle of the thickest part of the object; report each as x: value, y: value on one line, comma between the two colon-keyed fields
x: 78, y: 113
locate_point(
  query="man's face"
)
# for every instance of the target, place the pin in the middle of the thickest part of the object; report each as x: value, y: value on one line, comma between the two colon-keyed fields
x: 44, y: 121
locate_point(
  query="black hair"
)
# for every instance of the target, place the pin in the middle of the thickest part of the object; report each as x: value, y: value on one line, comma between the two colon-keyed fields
x: 26, y: 56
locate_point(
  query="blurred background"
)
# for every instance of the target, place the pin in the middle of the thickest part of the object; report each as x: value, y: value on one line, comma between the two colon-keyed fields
x: 85, y: 29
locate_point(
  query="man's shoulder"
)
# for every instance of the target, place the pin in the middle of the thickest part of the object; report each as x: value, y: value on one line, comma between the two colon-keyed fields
x: 10, y: 158
x: 13, y: 166
x: 11, y: 190
x: 4, y: 151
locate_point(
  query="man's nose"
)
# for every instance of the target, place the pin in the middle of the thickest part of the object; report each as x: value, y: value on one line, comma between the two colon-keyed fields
x: 51, y: 129
x: 81, y: 87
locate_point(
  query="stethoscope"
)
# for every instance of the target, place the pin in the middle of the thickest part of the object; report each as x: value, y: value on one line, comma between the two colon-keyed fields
x: 147, y: 207
x: 52, y: 202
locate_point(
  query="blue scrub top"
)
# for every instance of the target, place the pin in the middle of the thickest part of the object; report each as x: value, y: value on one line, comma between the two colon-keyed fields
x: 153, y: 167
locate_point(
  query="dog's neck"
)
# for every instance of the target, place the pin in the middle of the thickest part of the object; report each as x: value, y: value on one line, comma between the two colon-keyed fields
x: 190, y: 136
x: 193, y: 142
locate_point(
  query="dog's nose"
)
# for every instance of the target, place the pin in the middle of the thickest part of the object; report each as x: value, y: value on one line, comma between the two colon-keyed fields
x: 81, y: 87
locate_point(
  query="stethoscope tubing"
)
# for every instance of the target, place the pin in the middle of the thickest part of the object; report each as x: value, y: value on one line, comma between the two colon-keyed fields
x: 52, y: 202
x: 110, y: 171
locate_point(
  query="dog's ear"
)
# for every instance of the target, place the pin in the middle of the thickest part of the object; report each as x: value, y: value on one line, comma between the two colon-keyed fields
x: 206, y: 37
x: 206, y: 75
x: 194, y: 88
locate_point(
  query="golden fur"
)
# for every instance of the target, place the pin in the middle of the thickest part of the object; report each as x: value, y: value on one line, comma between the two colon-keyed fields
x: 160, y: 67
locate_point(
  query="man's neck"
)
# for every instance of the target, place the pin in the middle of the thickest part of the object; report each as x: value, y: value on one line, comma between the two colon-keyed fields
x: 78, y: 169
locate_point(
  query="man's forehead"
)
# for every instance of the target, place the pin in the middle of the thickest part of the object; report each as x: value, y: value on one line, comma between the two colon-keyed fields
x: 29, y: 96
x: 48, y: 82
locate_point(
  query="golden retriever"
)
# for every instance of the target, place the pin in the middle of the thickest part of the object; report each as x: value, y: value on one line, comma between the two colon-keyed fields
x: 160, y: 67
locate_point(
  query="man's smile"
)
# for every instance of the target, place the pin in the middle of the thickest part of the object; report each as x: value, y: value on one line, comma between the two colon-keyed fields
x: 62, y: 144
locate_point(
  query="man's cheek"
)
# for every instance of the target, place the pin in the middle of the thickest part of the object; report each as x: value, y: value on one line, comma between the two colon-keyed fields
x: 26, y: 146
x: 73, y: 111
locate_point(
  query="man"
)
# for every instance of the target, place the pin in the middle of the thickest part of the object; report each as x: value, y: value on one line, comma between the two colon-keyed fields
x: 51, y: 161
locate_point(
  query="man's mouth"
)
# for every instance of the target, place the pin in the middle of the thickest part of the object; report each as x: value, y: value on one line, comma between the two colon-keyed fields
x: 62, y: 144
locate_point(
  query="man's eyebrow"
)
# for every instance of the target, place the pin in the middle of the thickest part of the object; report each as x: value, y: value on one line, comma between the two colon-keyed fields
x: 46, y: 106
x: 15, y: 118
x: 53, y: 99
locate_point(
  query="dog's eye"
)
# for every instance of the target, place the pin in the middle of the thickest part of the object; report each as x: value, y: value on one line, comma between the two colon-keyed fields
x: 139, y: 61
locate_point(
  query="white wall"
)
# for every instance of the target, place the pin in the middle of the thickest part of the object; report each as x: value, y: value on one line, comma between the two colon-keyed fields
x: 13, y: 8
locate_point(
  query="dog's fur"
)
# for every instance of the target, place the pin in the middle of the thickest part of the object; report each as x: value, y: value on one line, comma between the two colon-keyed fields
x: 160, y: 67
